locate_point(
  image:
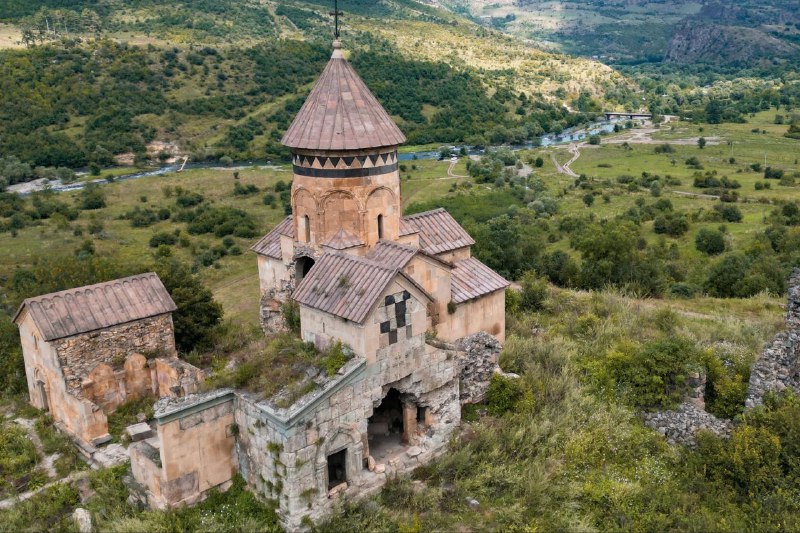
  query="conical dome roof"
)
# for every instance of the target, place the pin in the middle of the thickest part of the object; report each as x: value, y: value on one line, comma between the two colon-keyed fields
x: 341, y: 113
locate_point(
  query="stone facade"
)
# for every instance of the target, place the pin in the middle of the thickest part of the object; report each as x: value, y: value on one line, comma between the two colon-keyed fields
x: 81, y: 354
x: 82, y: 378
x: 193, y: 452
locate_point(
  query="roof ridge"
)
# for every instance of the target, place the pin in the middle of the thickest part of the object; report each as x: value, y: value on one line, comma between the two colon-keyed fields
x: 362, y: 259
x: 426, y: 213
x: 85, y: 288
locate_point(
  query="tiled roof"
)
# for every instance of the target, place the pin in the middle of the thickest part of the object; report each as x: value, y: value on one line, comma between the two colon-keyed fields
x: 341, y: 113
x: 270, y: 244
x: 344, y: 285
x: 343, y: 240
x: 391, y: 254
x: 438, y: 231
x: 74, y: 311
x: 406, y: 228
x: 472, y: 279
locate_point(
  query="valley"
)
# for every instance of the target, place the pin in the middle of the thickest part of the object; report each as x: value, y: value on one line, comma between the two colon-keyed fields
x: 649, y: 261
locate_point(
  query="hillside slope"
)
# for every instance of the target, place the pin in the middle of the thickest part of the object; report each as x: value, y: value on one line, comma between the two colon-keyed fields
x: 742, y: 31
x: 224, y: 77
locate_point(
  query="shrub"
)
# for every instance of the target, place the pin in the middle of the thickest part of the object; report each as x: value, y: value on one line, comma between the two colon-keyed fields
x: 188, y: 199
x: 710, y: 241
x: 595, y: 140
x: 502, y: 395
x: 534, y: 292
x: 291, y: 315
x: 244, y: 190
x: 654, y: 374
x: 672, y: 224
x: 729, y: 213
x: 92, y: 197
x: 163, y: 238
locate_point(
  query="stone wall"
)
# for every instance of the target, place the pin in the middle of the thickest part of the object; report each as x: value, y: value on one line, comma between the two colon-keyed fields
x: 81, y: 354
x: 478, y: 355
x: 283, y: 453
x: 193, y: 452
x: 681, y: 425
x: 778, y: 367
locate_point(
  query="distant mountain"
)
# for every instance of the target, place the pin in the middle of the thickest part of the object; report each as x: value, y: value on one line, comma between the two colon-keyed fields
x: 701, y: 42
x: 678, y: 31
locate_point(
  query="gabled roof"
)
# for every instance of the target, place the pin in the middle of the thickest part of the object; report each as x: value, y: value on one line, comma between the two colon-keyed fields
x: 472, y: 279
x: 346, y: 286
x: 270, y: 244
x: 395, y: 254
x: 438, y: 231
x: 341, y: 113
x: 343, y: 240
x: 391, y: 254
x: 84, y: 309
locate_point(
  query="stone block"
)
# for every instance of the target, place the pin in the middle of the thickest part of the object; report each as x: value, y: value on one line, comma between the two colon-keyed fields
x: 140, y: 431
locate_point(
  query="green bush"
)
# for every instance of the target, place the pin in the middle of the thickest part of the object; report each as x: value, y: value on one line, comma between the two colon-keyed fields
x: 652, y: 375
x: 92, y: 197
x: 710, y: 241
x: 502, y: 395
x: 163, y: 239
x: 534, y: 293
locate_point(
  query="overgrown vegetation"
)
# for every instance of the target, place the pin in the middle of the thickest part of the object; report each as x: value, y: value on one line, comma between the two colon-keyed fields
x: 280, y: 367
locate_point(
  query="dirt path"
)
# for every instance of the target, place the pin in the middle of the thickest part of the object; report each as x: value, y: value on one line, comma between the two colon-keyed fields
x: 565, y: 168
x: 450, y: 173
x: 696, y: 195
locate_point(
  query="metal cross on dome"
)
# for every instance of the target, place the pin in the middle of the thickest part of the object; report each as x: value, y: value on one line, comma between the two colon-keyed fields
x: 336, y: 14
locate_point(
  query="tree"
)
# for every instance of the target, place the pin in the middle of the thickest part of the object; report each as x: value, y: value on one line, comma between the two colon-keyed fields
x: 701, y: 142
x: 92, y: 197
x: 588, y: 199
x: 198, y: 313
x: 539, y: 163
x: 710, y: 241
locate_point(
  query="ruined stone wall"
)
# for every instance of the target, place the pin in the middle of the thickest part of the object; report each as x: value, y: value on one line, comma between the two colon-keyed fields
x: 289, y: 463
x: 80, y: 354
x: 194, y: 452
x: 478, y: 355
x: 778, y: 367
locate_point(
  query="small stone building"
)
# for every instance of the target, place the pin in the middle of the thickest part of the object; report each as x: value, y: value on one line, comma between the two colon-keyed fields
x: 89, y: 350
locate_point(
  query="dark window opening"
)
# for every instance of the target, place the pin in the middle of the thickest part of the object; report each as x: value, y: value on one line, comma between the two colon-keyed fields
x: 380, y: 226
x: 307, y: 228
x: 303, y: 267
x: 421, y: 413
x: 337, y: 468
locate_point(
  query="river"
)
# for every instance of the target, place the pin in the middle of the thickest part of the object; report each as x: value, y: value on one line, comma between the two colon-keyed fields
x: 567, y: 136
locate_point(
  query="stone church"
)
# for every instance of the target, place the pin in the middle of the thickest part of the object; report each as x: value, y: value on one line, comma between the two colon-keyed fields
x: 422, y: 319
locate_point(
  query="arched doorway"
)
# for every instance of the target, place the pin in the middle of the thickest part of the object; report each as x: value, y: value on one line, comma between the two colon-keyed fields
x: 303, y: 266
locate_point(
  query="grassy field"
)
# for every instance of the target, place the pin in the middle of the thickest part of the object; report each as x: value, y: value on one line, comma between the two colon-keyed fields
x: 234, y: 280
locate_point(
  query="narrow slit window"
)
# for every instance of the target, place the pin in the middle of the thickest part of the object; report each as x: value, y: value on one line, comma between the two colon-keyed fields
x: 307, y: 228
x: 380, y: 226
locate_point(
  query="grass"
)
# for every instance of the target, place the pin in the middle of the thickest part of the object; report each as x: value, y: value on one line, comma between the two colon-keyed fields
x: 278, y: 367
x: 572, y: 455
x: 127, y: 414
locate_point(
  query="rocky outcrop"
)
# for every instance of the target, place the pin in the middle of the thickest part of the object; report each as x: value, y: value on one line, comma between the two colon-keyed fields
x: 477, y: 355
x: 681, y: 425
x: 694, y: 41
x: 778, y: 368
